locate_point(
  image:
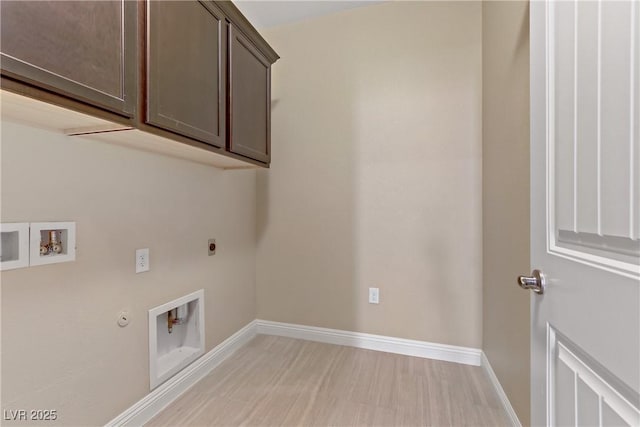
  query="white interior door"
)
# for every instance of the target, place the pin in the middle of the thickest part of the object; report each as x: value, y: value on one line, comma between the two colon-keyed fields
x: 585, y: 212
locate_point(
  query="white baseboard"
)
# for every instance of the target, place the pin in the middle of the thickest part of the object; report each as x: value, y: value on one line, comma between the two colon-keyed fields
x: 150, y: 405
x: 515, y: 421
x: 449, y: 353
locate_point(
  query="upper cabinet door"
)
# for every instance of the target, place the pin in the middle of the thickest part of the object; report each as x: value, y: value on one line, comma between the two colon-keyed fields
x: 186, y: 69
x: 82, y: 50
x: 249, y: 99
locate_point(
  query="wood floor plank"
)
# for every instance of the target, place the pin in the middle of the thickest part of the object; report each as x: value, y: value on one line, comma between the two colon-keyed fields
x: 276, y: 381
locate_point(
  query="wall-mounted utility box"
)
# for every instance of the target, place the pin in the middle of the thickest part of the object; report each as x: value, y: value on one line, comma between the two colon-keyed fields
x: 52, y: 242
x: 176, y: 336
x: 14, y: 245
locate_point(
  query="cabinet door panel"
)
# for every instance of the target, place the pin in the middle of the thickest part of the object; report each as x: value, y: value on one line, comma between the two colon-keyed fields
x: 83, y: 50
x: 185, y: 69
x: 249, y: 99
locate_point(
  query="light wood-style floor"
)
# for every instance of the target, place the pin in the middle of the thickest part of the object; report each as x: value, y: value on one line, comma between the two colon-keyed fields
x: 288, y: 382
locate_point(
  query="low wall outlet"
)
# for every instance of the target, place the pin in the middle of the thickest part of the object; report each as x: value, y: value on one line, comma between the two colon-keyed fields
x: 142, y: 260
x: 212, y: 247
x: 374, y: 295
x: 123, y: 319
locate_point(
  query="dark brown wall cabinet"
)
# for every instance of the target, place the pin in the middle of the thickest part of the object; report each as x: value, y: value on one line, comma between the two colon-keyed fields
x: 195, y: 71
x: 249, y: 98
x: 83, y: 50
x: 186, y: 69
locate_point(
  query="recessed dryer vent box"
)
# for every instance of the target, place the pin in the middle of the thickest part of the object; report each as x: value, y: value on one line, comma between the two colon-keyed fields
x: 52, y: 242
x: 14, y: 245
x: 176, y: 336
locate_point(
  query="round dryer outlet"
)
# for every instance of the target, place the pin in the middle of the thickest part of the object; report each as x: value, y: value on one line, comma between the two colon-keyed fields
x: 123, y: 318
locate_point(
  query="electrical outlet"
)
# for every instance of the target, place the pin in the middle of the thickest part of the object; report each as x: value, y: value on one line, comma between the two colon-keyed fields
x: 142, y: 260
x: 123, y: 318
x: 374, y: 295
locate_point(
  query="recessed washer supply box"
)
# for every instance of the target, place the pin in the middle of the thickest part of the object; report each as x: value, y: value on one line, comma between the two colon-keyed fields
x: 14, y: 245
x: 173, y: 348
x: 47, y: 236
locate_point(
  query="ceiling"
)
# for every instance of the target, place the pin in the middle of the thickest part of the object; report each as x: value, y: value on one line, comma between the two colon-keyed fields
x: 267, y: 13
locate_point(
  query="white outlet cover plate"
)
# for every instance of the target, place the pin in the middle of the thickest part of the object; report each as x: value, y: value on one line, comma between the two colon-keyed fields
x: 142, y: 260
x: 374, y: 295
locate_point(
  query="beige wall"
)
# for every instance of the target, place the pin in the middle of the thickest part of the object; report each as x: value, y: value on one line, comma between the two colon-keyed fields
x: 505, y: 189
x: 62, y: 348
x: 376, y: 173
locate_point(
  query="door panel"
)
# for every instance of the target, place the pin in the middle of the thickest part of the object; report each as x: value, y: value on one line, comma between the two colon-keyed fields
x: 582, y: 389
x: 84, y: 50
x: 585, y: 126
x: 584, y: 212
x: 185, y: 69
x: 616, y: 132
x: 595, y: 146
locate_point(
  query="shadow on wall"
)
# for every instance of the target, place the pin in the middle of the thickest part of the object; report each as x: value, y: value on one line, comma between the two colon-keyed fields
x: 522, y: 44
